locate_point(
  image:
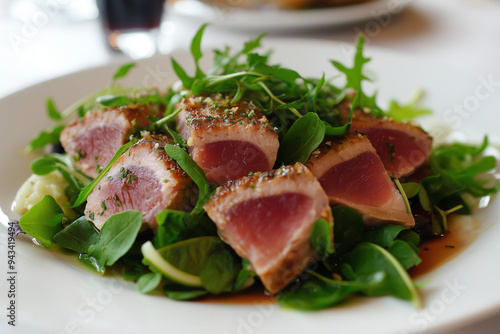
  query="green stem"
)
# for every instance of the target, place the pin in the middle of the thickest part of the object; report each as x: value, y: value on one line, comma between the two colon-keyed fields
x: 403, y: 194
x: 268, y: 91
x: 168, y: 118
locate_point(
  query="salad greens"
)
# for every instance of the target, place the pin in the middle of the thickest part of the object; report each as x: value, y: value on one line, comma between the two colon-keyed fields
x: 186, y: 259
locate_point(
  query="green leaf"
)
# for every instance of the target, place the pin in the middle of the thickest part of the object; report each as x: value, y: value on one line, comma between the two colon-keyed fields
x: 194, y: 171
x: 114, y: 101
x: 220, y: 271
x: 148, y: 282
x: 85, y: 192
x: 43, y: 220
x: 348, y: 228
x: 122, y: 72
x: 245, y: 274
x: 408, y: 111
x: 77, y: 236
x: 117, y: 236
x: 52, y: 110
x: 179, y: 292
x: 186, y: 80
x: 196, y: 50
x: 321, y: 238
x: 303, y: 137
x: 172, y: 225
x: 411, y: 189
x: 315, y: 294
x: 405, y: 254
x: 46, y: 137
x: 367, y: 259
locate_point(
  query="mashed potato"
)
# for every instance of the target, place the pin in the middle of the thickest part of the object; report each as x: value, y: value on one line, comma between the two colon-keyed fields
x: 37, y: 186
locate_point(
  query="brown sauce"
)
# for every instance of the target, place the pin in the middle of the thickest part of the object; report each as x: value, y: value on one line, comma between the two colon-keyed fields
x: 463, y: 231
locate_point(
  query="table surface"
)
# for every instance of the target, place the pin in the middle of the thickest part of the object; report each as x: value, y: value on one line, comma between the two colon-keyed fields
x: 460, y: 34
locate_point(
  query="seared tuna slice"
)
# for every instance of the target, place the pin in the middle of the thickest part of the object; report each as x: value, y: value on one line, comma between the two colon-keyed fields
x: 352, y: 174
x: 227, y: 140
x: 144, y: 178
x: 267, y: 219
x: 402, y: 147
x: 92, y: 141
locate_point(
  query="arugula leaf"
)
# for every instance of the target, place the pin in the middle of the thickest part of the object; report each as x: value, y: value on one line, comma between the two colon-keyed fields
x: 114, y: 101
x: 186, y: 80
x: 43, y: 221
x: 408, y: 111
x: 85, y: 192
x: 52, y: 110
x: 196, y: 51
x: 50, y: 136
x: 194, y: 171
x: 122, y: 72
x: 355, y: 78
x: 303, y: 137
x: 117, y: 236
x: 77, y: 236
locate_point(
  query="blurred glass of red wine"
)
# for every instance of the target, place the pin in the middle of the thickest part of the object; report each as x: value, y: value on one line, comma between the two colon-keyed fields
x: 129, y: 15
x: 131, y: 26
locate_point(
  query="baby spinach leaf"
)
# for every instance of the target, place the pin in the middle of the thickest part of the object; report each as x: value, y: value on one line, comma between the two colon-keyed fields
x: 172, y: 224
x: 52, y: 110
x: 405, y: 253
x: 220, y: 271
x: 315, y: 294
x: 43, y: 221
x: 179, y: 292
x: 148, y: 282
x: 348, y: 228
x: 77, y: 236
x: 245, y: 275
x: 117, y: 236
x: 194, y: 171
x: 366, y: 259
x: 411, y: 189
x: 303, y: 137
x: 321, y: 238
x: 85, y: 192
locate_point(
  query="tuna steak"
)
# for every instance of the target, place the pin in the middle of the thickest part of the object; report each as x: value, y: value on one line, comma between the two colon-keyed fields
x: 92, y: 141
x: 402, y: 147
x: 144, y: 178
x: 352, y: 174
x: 227, y: 140
x: 267, y: 219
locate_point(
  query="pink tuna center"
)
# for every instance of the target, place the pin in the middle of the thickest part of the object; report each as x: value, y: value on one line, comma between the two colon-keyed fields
x: 397, y: 150
x: 264, y: 226
x: 97, y: 146
x: 231, y: 159
x: 361, y: 180
x: 133, y: 188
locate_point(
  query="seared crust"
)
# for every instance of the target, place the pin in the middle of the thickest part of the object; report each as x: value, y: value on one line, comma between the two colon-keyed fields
x: 167, y: 185
x: 275, y: 273
x: 208, y: 119
x: 117, y: 123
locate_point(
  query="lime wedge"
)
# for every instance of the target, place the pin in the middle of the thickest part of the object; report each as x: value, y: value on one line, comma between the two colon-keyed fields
x: 183, y: 261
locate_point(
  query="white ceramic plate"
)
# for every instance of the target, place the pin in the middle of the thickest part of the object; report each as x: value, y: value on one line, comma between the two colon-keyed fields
x: 54, y: 296
x: 226, y: 16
